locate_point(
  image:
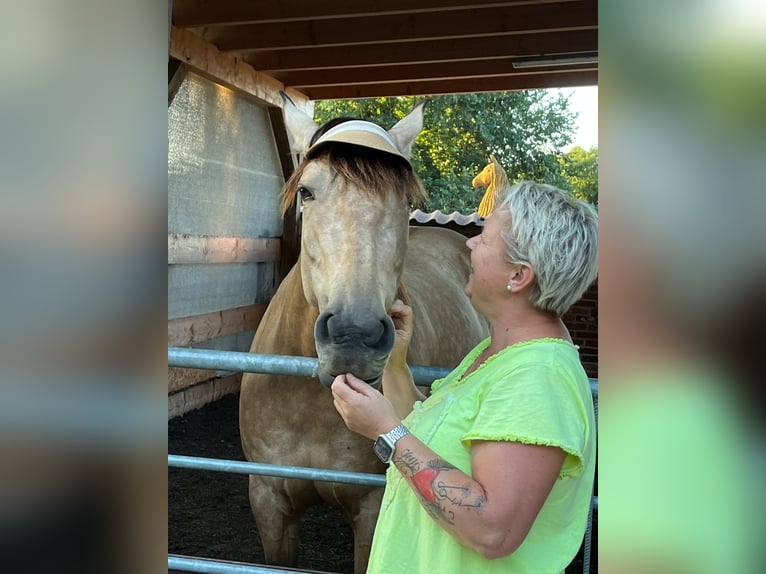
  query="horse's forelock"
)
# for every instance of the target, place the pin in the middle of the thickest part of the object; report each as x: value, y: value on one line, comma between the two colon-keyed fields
x: 371, y: 170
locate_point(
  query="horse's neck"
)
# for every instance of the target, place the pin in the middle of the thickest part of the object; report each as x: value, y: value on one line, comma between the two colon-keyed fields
x: 288, y: 324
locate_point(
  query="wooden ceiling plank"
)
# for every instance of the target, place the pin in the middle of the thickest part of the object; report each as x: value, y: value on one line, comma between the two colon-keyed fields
x: 528, y: 18
x: 191, y: 13
x: 422, y: 52
x: 228, y: 69
x: 408, y: 73
x: 469, y: 85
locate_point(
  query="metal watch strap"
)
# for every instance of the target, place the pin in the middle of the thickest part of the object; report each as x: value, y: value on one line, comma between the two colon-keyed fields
x: 396, y: 433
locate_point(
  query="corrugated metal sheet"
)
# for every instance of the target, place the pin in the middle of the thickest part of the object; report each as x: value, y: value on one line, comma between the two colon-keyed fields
x: 441, y: 218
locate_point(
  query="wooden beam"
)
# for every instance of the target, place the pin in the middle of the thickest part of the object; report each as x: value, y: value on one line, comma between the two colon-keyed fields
x: 291, y: 230
x: 522, y: 19
x: 441, y: 50
x: 196, y: 396
x: 189, y: 13
x: 229, y: 70
x: 403, y: 73
x: 208, y: 249
x: 186, y: 331
x: 176, y: 75
x: 181, y: 378
x: 549, y: 79
x: 279, y: 131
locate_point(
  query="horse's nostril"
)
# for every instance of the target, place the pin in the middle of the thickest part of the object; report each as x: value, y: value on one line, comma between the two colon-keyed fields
x: 374, y: 334
x: 322, y: 327
x: 385, y: 341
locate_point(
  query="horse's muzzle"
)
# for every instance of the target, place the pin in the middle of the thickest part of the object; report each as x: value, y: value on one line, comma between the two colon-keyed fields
x: 348, y: 343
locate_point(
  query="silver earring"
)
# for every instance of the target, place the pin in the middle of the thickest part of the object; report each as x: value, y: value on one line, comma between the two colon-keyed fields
x: 509, y: 287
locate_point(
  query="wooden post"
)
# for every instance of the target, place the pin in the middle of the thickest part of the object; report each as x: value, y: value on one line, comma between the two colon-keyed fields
x: 291, y: 225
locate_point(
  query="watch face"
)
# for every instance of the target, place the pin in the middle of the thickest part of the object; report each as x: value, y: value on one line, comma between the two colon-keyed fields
x: 383, y: 450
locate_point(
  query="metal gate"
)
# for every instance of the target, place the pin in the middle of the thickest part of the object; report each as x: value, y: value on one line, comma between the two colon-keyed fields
x: 299, y: 367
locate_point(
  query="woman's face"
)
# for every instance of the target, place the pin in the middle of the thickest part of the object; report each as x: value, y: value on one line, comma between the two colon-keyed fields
x: 490, y: 271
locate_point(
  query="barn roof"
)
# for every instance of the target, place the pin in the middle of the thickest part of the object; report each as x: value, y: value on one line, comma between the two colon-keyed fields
x: 337, y: 49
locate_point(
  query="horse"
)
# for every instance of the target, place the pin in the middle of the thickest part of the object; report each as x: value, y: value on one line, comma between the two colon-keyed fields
x: 357, y: 255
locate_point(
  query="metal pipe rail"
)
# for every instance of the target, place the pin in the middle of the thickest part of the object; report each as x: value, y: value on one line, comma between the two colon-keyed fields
x: 269, y: 364
x: 298, y: 367
x: 210, y: 566
x: 283, y: 364
x: 240, y: 467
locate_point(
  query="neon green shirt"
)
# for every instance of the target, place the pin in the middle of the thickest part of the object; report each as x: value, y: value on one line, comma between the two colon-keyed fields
x: 533, y: 392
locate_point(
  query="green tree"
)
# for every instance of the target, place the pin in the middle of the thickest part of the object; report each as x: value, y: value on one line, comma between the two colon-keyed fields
x: 580, y: 168
x: 522, y: 129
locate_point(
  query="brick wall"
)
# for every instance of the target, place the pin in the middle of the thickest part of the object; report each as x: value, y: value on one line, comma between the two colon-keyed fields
x: 582, y: 322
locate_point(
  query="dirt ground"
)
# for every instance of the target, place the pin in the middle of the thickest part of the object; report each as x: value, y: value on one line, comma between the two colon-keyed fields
x: 209, y: 513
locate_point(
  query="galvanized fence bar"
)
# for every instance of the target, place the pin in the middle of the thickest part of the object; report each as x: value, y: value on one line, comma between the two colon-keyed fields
x: 282, y: 364
x: 240, y: 467
x: 298, y: 367
x: 270, y: 364
x: 587, y: 540
x: 209, y: 566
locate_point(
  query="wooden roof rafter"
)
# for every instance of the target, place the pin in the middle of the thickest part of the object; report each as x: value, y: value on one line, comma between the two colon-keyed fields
x: 365, y: 48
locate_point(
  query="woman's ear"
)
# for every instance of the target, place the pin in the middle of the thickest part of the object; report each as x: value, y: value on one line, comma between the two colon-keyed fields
x: 520, y: 278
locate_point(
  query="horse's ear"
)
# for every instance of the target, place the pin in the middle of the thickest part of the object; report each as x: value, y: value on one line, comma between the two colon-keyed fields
x: 499, y: 177
x: 300, y: 126
x: 407, y: 129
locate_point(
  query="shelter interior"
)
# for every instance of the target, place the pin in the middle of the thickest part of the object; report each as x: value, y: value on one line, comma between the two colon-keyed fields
x: 228, y: 245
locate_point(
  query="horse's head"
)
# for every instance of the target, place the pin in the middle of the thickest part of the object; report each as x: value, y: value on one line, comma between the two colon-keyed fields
x: 355, y: 187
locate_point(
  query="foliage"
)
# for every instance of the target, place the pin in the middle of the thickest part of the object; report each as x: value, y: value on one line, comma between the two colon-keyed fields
x: 580, y: 168
x: 522, y: 129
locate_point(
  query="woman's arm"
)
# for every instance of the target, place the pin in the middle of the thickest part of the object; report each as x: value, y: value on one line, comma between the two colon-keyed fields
x: 491, y: 511
x: 399, y: 388
x: 398, y: 385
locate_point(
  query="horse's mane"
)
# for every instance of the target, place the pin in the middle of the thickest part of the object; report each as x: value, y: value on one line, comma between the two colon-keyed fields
x: 369, y: 169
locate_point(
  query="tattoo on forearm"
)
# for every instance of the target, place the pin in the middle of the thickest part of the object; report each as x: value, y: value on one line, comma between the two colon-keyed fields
x: 438, y: 496
x: 459, y: 495
x: 410, y: 461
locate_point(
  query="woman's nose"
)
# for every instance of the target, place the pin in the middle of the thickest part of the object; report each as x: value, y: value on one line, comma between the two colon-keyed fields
x: 471, y: 241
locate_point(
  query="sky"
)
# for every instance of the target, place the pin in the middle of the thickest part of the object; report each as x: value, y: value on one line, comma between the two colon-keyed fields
x: 584, y: 101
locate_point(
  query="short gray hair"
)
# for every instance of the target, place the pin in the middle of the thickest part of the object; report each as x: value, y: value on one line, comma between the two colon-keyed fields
x: 557, y: 235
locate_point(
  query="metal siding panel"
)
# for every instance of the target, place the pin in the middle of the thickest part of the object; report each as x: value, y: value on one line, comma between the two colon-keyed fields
x: 224, y: 179
x: 195, y: 289
x: 224, y: 175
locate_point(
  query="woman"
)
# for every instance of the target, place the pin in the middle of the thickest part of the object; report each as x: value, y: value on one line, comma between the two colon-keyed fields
x: 501, y: 455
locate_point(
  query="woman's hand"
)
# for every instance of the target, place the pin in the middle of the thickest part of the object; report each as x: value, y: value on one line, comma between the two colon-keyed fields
x: 401, y: 315
x: 364, y: 410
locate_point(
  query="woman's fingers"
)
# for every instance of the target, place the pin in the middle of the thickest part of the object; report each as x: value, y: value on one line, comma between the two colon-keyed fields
x: 350, y: 389
x: 363, y: 409
x: 358, y: 385
x: 401, y: 315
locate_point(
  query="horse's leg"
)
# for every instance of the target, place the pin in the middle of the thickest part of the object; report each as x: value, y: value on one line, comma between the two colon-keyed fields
x: 277, y: 521
x: 363, y: 523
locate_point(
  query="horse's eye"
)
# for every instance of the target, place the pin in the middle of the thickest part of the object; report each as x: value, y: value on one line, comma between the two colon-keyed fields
x: 305, y: 193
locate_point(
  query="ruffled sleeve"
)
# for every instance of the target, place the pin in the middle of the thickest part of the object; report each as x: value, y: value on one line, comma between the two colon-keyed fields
x: 534, y: 403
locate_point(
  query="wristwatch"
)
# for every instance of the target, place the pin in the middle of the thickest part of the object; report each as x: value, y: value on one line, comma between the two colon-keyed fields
x: 384, y: 446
